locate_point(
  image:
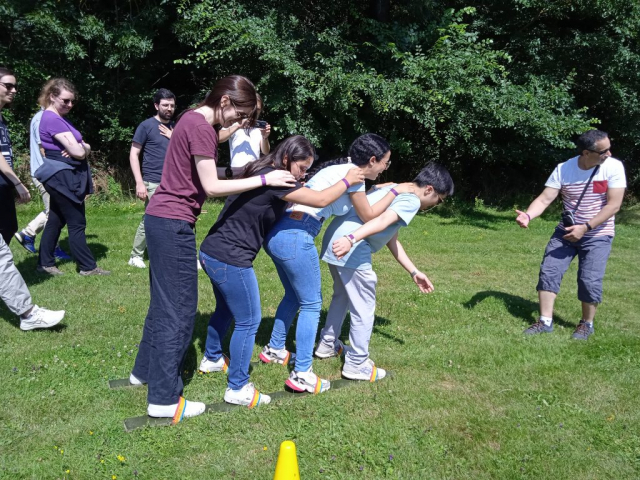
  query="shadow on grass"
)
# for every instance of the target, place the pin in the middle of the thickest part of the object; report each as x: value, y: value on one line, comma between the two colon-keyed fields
x: 264, y: 335
x: 27, y: 267
x: 519, y: 307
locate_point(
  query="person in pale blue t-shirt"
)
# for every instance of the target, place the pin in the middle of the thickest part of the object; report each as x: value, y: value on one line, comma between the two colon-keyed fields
x: 347, y: 248
x: 290, y: 244
x: 27, y: 236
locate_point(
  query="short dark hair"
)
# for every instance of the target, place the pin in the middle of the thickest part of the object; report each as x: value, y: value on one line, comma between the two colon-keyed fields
x: 587, y: 141
x: 437, y: 176
x: 162, y: 94
x: 5, y: 72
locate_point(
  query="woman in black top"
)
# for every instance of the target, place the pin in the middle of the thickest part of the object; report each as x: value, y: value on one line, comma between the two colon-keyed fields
x: 227, y: 255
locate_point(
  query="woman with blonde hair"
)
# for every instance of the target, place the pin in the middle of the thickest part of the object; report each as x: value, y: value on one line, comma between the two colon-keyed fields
x: 66, y: 177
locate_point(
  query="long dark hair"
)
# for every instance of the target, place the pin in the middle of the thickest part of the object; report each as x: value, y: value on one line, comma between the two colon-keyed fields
x: 361, y: 150
x: 293, y: 148
x: 241, y: 92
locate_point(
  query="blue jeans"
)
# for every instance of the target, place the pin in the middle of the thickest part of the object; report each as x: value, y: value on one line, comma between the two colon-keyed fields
x: 173, y: 278
x: 237, y: 297
x: 291, y: 247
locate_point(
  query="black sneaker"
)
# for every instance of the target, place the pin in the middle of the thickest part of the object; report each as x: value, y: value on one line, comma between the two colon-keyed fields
x: 537, y: 328
x: 583, y: 331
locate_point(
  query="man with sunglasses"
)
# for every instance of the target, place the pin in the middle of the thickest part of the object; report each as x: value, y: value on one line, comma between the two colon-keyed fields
x: 592, y: 186
x: 13, y: 290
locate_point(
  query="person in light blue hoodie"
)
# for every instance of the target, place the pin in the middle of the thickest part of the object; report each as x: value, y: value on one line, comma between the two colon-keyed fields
x: 348, y: 247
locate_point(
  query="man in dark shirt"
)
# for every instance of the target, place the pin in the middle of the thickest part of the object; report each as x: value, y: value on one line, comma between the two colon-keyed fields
x: 152, y: 139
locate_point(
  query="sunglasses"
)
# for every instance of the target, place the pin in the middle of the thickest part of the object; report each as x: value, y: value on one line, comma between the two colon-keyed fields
x: 10, y: 86
x: 602, y: 152
x: 68, y: 101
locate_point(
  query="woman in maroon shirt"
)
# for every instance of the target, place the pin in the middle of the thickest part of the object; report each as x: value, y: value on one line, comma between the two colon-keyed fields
x: 190, y: 175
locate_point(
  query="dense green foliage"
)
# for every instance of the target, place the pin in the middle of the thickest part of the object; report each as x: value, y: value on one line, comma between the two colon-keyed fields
x: 497, y: 92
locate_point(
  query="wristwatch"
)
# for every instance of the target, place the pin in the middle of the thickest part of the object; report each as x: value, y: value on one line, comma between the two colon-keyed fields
x: 228, y: 172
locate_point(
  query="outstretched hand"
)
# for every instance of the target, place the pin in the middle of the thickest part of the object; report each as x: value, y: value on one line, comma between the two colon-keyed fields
x: 424, y: 284
x: 522, y: 219
x: 280, y: 178
x: 355, y: 176
x: 341, y: 247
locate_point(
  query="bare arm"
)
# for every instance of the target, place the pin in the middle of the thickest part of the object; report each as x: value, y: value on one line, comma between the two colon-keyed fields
x: 322, y: 198
x: 134, y: 162
x: 23, y: 192
x: 342, y: 246
x: 419, y: 278
x: 71, y: 145
x: 215, y: 187
x: 367, y: 211
x: 614, y: 202
x: 225, y: 133
x: 265, y: 147
x: 538, y: 206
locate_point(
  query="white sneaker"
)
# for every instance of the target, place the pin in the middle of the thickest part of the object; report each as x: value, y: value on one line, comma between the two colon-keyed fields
x: 198, y: 263
x: 367, y: 370
x: 177, y: 411
x: 41, y: 318
x: 271, y: 355
x: 307, y: 381
x: 328, y: 351
x: 247, y: 395
x: 137, y: 262
x: 208, y: 366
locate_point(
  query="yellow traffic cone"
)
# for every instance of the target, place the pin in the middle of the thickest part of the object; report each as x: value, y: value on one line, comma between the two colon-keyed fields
x: 287, y: 465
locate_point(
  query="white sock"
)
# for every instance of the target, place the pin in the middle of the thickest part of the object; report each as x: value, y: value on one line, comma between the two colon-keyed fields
x: 133, y: 380
x: 168, y: 411
x: 546, y: 320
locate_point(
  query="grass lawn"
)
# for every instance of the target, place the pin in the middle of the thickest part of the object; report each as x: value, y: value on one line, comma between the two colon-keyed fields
x: 471, y: 396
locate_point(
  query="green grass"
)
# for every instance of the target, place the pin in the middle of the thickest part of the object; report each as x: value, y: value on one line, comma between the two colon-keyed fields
x: 470, y: 398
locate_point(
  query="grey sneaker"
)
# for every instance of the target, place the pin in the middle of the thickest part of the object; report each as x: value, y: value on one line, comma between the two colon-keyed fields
x: 367, y: 370
x: 95, y: 271
x: 583, y: 331
x: 271, y: 355
x: 328, y: 351
x: 537, y: 328
x: 307, y: 381
x: 49, y: 270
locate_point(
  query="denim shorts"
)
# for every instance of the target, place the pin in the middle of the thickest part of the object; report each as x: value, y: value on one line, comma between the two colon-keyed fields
x: 592, y: 252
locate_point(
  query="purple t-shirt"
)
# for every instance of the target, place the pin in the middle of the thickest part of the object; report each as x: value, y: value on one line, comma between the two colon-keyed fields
x: 52, y: 124
x: 180, y: 195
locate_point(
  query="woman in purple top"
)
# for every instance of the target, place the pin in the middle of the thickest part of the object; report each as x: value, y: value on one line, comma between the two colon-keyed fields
x: 66, y: 177
x: 189, y: 176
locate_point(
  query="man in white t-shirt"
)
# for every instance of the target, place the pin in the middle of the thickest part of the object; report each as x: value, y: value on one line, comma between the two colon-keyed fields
x: 592, y: 187
x: 246, y: 142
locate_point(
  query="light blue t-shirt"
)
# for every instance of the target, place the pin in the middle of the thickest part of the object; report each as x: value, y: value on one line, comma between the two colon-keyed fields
x: 324, y: 179
x: 34, y: 143
x: 405, y: 205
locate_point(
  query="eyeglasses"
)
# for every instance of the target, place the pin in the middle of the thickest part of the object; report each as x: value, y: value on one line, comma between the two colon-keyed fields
x: 10, y: 86
x: 387, y: 165
x: 68, y: 101
x: 602, y: 152
x: 241, y: 115
x: 440, y: 199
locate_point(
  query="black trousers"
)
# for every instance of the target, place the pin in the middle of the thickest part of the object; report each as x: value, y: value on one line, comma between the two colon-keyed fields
x: 8, y: 219
x: 63, y: 211
x: 168, y: 328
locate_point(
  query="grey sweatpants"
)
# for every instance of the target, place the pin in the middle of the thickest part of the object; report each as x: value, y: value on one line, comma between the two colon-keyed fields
x: 13, y: 290
x: 140, y: 240
x: 355, y: 291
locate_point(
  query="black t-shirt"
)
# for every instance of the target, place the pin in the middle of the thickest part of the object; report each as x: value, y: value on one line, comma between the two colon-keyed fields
x: 245, y: 220
x: 7, y: 151
x: 154, y: 148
